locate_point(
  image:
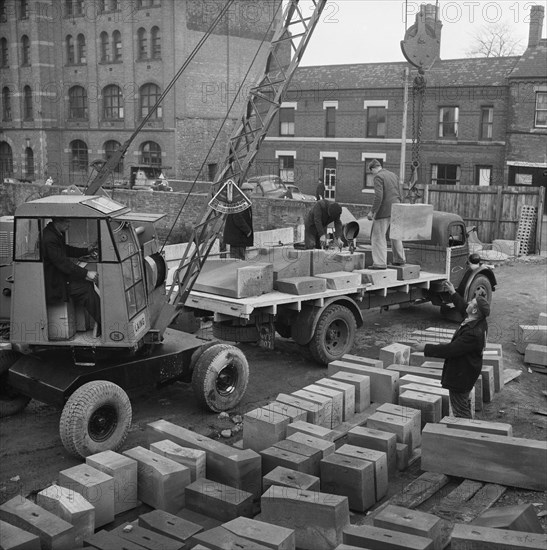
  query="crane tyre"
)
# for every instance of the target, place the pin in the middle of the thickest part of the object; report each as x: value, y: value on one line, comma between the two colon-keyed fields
x: 96, y: 418
x: 11, y: 401
x: 482, y: 284
x: 220, y: 377
x: 334, y: 334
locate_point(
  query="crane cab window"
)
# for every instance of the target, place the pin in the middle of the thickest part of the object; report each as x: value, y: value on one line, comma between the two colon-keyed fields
x: 27, y: 239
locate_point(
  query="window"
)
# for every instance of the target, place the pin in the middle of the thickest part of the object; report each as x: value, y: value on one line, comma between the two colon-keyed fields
x: 487, y: 121
x: 112, y: 102
x: 523, y: 178
x: 541, y: 110
x: 24, y: 9
x: 156, y: 42
x: 147, y: 3
x: 330, y: 126
x: 78, y: 157
x: 445, y: 174
x: 6, y: 160
x: 329, y: 176
x: 149, y: 94
x: 69, y: 10
x: 448, y: 121
x: 117, y: 45
x: 212, y: 171
x: 483, y: 175
x: 28, y: 113
x: 4, y: 59
x: 105, y: 48
x: 78, y: 7
x: 286, y: 168
x: 286, y: 121
x: 110, y: 147
x: 81, y: 49
x: 142, y: 44
x: 25, y: 50
x: 376, y: 122
x: 6, y: 104
x: 69, y: 41
x: 29, y: 163
x: 368, y: 182
x: 3, y: 11
x: 150, y: 154
x: 77, y: 102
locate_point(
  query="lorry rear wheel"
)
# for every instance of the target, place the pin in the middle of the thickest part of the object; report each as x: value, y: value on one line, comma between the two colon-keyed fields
x: 334, y: 334
x: 96, y: 418
x: 220, y: 377
x: 11, y: 401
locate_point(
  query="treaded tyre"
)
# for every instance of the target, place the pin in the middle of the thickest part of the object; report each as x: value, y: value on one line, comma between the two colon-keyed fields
x: 482, y: 284
x: 96, y: 418
x: 334, y: 334
x: 11, y: 401
x: 220, y: 377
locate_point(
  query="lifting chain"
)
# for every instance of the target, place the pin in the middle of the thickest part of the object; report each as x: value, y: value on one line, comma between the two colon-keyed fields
x: 418, y: 97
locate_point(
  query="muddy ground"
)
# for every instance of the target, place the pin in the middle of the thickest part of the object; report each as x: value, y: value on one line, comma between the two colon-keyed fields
x: 31, y: 453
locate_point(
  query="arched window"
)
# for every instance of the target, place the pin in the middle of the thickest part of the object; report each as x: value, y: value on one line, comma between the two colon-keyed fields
x: 105, y: 47
x: 148, y: 95
x: 6, y: 104
x: 156, y: 42
x: 77, y: 102
x: 112, y: 102
x: 110, y: 147
x: 4, y: 58
x: 78, y: 157
x: 150, y: 154
x: 28, y: 112
x: 29, y: 163
x: 6, y: 160
x: 142, y: 44
x: 81, y: 49
x: 69, y: 41
x: 117, y: 45
x: 25, y: 50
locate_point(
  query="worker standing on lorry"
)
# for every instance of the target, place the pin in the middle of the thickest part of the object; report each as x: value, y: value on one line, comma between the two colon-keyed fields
x: 238, y: 229
x: 321, y: 214
x: 463, y: 355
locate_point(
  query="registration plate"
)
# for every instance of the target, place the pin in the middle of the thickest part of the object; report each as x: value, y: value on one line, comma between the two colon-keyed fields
x: 139, y: 324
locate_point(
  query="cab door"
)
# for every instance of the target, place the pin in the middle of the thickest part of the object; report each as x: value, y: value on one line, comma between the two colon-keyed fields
x: 459, y: 251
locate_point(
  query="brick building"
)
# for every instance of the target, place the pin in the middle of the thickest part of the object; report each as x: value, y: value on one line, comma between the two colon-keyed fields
x: 78, y: 76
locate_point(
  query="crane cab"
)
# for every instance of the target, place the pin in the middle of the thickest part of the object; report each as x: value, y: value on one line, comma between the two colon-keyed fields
x: 131, y: 274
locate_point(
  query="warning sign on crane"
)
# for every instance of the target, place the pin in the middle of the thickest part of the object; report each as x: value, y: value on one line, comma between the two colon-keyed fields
x: 230, y: 199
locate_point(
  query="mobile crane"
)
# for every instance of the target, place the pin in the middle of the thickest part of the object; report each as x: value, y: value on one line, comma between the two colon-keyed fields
x: 53, y: 353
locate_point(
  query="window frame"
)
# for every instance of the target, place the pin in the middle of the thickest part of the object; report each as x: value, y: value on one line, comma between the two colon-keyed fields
x: 142, y: 44
x: 28, y: 107
x: 4, y: 53
x: 70, y: 50
x: 147, y: 158
x: 286, y: 168
x: 478, y: 169
x: 81, y: 53
x: 543, y: 110
x: 25, y: 51
x: 6, y: 159
x: 330, y: 122
x: 286, y: 121
x: 487, y: 126
x: 442, y: 133
x: 436, y: 179
x: 112, y: 103
x: 29, y: 163
x: 374, y: 122
x: 24, y: 9
x: 77, y: 103
x: 117, y: 46
x: 109, y: 151
x: 368, y: 176
x: 151, y: 99
x: 79, y: 155
x: 105, y: 47
x: 6, y: 104
x: 155, y: 42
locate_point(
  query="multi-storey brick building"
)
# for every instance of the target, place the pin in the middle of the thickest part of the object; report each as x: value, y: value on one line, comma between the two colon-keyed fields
x: 78, y: 76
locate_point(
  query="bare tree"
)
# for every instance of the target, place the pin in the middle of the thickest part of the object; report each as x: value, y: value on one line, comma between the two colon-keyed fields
x: 494, y: 40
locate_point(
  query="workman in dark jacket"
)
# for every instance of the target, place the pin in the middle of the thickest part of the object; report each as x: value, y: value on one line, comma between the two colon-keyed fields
x: 238, y: 228
x: 463, y: 355
x: 63, y: 277
x: 321, y: 214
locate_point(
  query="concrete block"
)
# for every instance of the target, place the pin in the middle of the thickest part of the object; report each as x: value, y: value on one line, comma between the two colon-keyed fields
x: 497, y: 363
x: 519, y: 517
x: 54, y: 533
x: 169, y: 525
x: 336, y: 397
x: 399, y: 425
x: 161, y: 481
x: 293, y: 413
x: 124, y: 472
x: 377, y: 277
x: 341, y: 280
x: 406, y: 272
x: 287, y: 261
x: 315, y: 414
x: 429, y: 405
x: 254, y: 280
x: 219, y: 501
x: 14, y: 538
x: 313, y: 454
x: 151, y: 540
x: 286, y: 477
x: 487, y: 538
x: 385, y: 442
x: 378, y: 458
x: 220, y: 538
x: 350, y: 477
x: 301, y: 285
x: 204, y: 521
x: 427, y: 386
x: 310, y: 429
x: 435, y: 373
x: 474, y: 425
x: 348, y: 395
x: 478, y: 394
x: 328, y: 261
x: 408, y: 413
x: 536, y: 354
x: 531, y: 334
x: 417, y: 358
x: 193, y: 459
x: 488, y: 383
x: 395, y: 354
x: 318, y: 519
x: 403, y: 456
x: 260, y: 532
x: 370, y: 536
x: 542, y: 319
x: 511, y: 248
x: 366, y: 361
x: 273, y: 457
x: 324, y: 447
x: 361, y: 384
x: 324, y: 413
x: 238, y: 468
x: 107, y: 540
x: 411, y: 222
x: 262, y: 428
x: 95, y: 486
x: 70, y: 506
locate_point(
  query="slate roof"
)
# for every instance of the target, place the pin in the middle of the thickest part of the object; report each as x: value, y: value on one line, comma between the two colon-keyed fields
x: 491, y: 71
x: 532, y: 63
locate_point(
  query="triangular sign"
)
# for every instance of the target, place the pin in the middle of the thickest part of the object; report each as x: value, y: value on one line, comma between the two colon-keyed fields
x: 230, y: 199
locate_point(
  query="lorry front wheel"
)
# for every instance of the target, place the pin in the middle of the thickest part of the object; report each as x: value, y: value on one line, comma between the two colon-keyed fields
x: 220, y: 377
x: 334, y: 334
x: 11, y: 401
x: 482, y: 285
x: 96, y: 418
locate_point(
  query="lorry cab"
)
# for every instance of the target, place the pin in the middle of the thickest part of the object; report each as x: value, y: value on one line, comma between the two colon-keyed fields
x: 131, y: 274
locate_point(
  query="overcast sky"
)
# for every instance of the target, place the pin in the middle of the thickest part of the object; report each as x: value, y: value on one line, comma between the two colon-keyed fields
x: 369, y: 31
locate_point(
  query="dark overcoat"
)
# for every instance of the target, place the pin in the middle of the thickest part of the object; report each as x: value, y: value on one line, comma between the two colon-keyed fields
x: 238, y: 228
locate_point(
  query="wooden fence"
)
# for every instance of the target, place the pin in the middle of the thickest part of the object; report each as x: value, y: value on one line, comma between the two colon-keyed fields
x: 494, y: 210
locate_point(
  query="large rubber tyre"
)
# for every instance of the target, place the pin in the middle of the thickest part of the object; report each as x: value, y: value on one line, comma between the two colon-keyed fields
x: 482, y: 284
x: 334, y: 334
x: 96, y: 418
x: 11, y: 401
x: 220, y: 377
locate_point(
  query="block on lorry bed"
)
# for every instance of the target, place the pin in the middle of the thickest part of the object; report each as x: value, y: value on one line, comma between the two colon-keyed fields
x: 301, y: 285
x: 411, y: 222
x: 341, y: 280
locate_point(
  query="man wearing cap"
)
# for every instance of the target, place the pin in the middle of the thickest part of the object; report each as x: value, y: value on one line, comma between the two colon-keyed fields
x: 463, y: 355
x: 238, y: 229
x: 321, y: 214
x: 386, y: 193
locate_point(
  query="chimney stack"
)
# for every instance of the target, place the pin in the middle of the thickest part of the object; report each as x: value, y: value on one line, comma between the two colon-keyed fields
x: 536, y: 25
